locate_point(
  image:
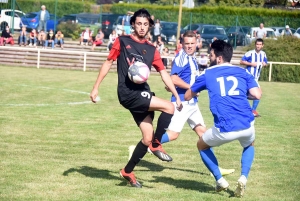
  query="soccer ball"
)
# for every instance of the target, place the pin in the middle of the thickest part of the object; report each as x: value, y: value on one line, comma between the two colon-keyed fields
x: 138, y: 72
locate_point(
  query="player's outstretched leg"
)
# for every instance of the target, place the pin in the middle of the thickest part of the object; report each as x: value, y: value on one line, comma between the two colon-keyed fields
x: 156, y: 147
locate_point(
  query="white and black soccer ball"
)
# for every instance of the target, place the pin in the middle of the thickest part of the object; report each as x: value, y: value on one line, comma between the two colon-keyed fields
x: 138, y: 72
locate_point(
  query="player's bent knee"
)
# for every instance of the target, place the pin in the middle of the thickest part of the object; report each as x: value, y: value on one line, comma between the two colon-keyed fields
x: 201, y: 145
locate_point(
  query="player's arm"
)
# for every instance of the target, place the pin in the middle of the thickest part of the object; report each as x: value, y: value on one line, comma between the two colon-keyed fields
x: 168, y: 82
x: 159, y: 66
x: 246, y: 61
x: 199, y: 85
x: 254, y: 93
x: 113, y: 55
x: 178, y: 82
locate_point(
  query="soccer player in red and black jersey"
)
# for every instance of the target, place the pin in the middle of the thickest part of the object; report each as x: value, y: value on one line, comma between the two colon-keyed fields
x: 138, y: 98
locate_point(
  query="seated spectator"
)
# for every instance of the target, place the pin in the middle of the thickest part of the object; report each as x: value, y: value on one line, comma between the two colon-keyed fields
x: 59, y: 39
x: 112, y: 38
x: 86, y: 36
x: 23, y: 37
x: 6, y: 37
x: 33, y: 37
x: 149, y: 37
x: 42, y: 38
x: 203, y: 61
x: 50, y: 39
x: 165, y: 53
x: 98, y: 39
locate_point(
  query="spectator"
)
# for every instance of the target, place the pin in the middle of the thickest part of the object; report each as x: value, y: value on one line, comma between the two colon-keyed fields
x: 23, y: 36
x: 287, y: 31
x: 86, y: 36
x: 6, y: 37
x: 209, y: 46
x: 112, y: 38
x: 44, y: 16
x: 203, y: 61
x: 165, y: 52
x: 149, y: 37
x: 179, y: 44
x: 151, y: 32
x: 98, y: 39
x: 59, y: 39
x: 199, y: 42
x: 33, y: 37
x: 157, y: 30
x: 42, y: 38
x: 126, y: 23
x: 50, y: 39
x: 160, y: 44
x: 261, y: 32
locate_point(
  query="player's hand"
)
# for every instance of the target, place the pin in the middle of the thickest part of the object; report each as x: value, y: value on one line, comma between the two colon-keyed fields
x: 197, y: 94
x: 179, y: 105
x: 264, y: 64
x: 93, y: 95
x: 167, y: 88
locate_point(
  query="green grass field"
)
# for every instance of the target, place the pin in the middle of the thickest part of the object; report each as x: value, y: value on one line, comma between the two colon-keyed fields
x: 56, y: 145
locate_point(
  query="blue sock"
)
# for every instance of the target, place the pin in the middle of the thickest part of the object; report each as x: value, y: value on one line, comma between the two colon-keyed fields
x: 255, y: 104
x: 210, y: 161
x: 165, y: 138
x: 247, y: 159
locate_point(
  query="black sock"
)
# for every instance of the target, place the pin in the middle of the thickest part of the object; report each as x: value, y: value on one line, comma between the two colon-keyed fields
x: 162, y: 125
x: 138, y: 153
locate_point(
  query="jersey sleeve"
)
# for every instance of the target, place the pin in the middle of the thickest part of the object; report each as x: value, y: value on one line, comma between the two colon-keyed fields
x: 247, y: 57
x: 115, y: 50
x: 265, y: 58
x: 179, y: 63
x: 157, y: 62
x: 200, y: 83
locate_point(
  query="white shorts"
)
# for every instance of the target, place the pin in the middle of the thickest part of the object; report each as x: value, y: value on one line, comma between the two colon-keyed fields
x: 213, y: 137
x: 190, y: 113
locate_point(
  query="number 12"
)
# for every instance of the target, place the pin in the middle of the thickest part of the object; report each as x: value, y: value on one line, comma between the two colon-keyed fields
x: 232, y: 91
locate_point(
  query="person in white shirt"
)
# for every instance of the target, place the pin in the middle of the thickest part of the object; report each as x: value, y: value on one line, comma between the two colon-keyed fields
x: 261, y: 32
x: 44, y: 16
x: 86, y: 36
x: 287, y: 31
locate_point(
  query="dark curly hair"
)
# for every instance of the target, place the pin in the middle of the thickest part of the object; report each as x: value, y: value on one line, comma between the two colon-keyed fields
x: 142, y: 13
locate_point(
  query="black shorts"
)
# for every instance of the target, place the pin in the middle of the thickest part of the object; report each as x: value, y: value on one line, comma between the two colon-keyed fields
x: 138, y: 104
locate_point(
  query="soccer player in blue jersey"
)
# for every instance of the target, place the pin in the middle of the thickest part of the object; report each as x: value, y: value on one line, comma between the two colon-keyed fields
x: 228, y: 89
x: 184, y: 72
x: 255, y: 60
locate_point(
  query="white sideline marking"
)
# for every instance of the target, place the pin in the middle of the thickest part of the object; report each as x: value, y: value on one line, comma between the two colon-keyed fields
x: 48, y: 104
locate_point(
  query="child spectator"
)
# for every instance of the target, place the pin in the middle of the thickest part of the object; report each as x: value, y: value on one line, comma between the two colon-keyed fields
x: 86, y: 36
x: 23, y: 36
x: 165, y: 53
x: 42, y: 38
x: 59, y: 39
x: 98, y: 39
x: 33, y: 38
x: 50, y: 39
x: 6, y: 37
x: 160, y: 44
x: 112, y: 38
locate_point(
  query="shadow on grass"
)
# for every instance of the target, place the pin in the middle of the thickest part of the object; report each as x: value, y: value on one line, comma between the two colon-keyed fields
x: 159, y: 168
x: 190, y: 185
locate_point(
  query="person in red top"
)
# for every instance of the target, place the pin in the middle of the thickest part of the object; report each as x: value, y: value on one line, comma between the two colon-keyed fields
x: 138, y: 98
x: 6, y: 37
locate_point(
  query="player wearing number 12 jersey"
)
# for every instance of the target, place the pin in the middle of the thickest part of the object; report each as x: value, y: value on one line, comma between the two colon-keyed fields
x: 138, y: 98
x: 228, y: 88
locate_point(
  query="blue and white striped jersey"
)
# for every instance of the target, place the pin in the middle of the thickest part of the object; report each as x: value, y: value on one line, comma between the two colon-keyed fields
x: 253, y: 56
x: 186, y: 67
x: 227, y: 87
